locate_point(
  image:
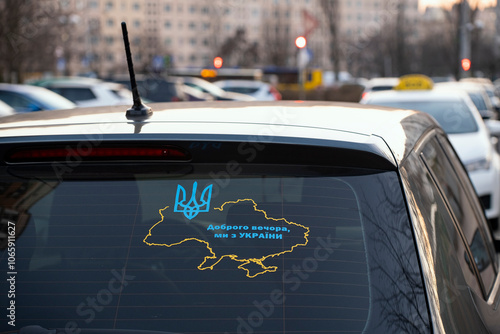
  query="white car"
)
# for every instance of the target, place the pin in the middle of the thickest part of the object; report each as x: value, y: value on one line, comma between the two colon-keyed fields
x: 479, y: 95
x: 240, y: 217
x: 377, y: 84
x: 458, y: 116
x: 89, y: 92
x: 261, y: 91
x: 27, y: 98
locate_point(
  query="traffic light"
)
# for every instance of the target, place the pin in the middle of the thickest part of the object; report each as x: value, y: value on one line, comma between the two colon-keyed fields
x: 466, y: 64
x: 217, y: 62
x: 301, y: 42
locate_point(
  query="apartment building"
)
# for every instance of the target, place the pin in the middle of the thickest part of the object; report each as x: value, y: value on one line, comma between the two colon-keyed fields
x: 190, y: 33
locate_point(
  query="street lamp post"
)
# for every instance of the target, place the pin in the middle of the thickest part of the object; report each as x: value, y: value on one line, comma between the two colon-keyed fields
x: 300, y: 43
x: 465, y: 43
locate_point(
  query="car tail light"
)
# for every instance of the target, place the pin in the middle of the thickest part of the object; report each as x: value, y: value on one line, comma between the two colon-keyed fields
x: 274, y: 92
x: 45, y: 154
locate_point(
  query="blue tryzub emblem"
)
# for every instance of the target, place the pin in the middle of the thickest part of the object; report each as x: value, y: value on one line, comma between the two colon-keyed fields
x: 192, y: 207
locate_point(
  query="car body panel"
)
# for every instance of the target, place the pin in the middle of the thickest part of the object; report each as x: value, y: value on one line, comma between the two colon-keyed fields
x: 298, y: 120
x: 5, y: 109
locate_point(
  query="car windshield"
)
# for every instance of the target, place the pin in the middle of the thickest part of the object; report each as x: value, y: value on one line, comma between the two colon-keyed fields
x: 453, y: 116
x: 188, y: 249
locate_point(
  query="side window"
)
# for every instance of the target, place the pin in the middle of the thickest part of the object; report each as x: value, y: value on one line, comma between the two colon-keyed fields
x: 19, y: 102
x: 463, y: 207
x: 441, y: 239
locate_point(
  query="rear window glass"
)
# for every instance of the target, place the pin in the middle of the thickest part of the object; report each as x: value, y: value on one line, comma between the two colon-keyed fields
x: 299, y: 251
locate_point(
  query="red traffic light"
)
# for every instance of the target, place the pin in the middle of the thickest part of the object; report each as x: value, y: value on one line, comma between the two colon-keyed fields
x: 301, y: 42
x: 466, y: 64
x: 217, y: 62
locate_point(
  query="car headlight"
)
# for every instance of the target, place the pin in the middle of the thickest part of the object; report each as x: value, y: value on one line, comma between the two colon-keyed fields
x: 482, y: 164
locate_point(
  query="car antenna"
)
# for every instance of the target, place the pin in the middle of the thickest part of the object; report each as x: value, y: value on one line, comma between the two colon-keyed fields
x: 139, y: 111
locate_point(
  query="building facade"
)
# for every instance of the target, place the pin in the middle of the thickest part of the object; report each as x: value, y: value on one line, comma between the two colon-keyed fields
x: 252, y: 33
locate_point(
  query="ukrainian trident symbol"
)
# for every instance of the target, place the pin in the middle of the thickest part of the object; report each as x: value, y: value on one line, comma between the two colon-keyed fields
x: 192, y: 207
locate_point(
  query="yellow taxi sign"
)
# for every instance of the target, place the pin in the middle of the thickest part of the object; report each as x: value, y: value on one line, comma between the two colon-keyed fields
x: 414, y: 82
x: 207, y: 73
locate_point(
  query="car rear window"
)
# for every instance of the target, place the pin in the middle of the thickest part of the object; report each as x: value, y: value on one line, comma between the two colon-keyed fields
x: 195, y: 249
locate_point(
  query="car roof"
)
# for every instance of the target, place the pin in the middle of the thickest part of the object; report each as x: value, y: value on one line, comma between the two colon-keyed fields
x: 21, y: 88
x: 53, y: 80
x: 76, y: 82
x: 438, y: 93
x: 468, y: 86
x: 343, y: 125
x: 382, y: 81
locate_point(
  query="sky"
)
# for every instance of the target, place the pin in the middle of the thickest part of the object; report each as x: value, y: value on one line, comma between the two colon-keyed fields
x: 449, y: 3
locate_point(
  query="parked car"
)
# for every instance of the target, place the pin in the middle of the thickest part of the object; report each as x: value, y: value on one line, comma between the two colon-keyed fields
x: 478, y: 94
x: 217, y: 93
x: 490, y: 89
x: 88, y: 92
x: 241, y: 217
x: 25, y: 98
x: 458, y: 116
x: 261, y: 91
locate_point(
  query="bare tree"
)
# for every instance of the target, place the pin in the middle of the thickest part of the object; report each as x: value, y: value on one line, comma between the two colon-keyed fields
x: 331, y: 11
x: 28, y: 30
x: 277, y: 39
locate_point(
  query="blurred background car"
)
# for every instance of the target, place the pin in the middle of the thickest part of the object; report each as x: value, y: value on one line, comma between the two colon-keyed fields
x: 477, y: 93
x: 217, y: 92
x: 461, y: 120
x: 489, y: 87
x: 377, y: 84
x: 88, y: 92
x: 26, y: 98
x: 261, y: 91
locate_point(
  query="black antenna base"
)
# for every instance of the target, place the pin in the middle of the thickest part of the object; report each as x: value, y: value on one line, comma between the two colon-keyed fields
x: 137, y: 113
